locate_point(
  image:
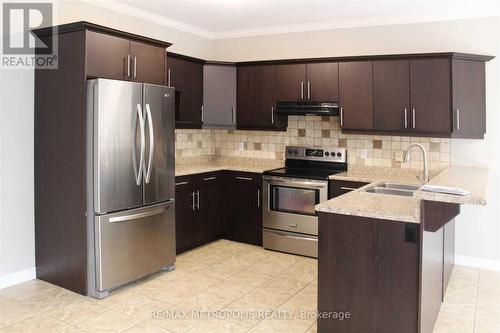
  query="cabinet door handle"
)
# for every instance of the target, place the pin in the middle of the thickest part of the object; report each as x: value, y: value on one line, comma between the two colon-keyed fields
x: 198, y: 200
x: 202, y: 112
x: 272, y: 115
x: 181, y: 183
x: 458, y: 119
x: 258, y: 197
x: 341, y: 117
x: 128, y: 65
x: 413, y: 118
x: 193, y: 201
x: 244, y: 178
x: 308, y: 89
x: 406, y: 118
x: 168, y: 78
x: 301, y: 89
x: 345, y: 188
x: 209, y: 178
x: 135, y: 67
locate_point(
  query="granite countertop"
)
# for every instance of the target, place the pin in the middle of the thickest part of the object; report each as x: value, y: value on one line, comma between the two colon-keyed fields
x: 472, y: 179
x: 189, y: 166
x: 407, y: 209
x: 379, y: 174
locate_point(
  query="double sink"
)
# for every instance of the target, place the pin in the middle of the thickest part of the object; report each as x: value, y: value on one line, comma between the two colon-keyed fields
x: 405, y: 190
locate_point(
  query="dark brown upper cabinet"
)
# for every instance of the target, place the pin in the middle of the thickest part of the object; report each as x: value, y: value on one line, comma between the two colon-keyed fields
x: 256, y: 98
x: 391, y: 95
x: 430, y: 95
x: 186, y: 75
x: 148, y: 63
x: 311, y: 81
x: 435, y: 96
x: 356, y: 95
x: 291, y: 80
x: 469, y: 99
x: 116, y: 57
x: 107, y: 56
x: 323, y: 82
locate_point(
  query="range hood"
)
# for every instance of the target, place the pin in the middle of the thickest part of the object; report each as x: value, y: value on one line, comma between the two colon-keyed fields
x: 308, y: 108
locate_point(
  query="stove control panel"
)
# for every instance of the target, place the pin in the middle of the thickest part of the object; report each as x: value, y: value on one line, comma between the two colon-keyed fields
x: 324, y: 154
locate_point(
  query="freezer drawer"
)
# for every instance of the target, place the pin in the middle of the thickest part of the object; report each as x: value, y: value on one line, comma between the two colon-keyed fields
x: 133, y: 244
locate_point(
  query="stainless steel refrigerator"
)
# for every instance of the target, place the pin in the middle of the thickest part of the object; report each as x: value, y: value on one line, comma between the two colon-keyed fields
x: 130, y: 163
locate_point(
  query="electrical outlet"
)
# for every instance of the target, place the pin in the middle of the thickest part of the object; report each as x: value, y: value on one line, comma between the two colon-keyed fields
x: 241, y: 146
x: 364, y: 153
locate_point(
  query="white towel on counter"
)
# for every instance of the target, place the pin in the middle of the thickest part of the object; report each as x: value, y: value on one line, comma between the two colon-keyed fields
x: 444, y: 189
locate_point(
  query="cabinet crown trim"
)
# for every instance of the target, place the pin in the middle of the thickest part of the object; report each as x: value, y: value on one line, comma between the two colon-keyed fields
x: 83, y: 25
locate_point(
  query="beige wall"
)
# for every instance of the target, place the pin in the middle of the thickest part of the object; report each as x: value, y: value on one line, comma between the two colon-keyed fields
x: 478, y: 230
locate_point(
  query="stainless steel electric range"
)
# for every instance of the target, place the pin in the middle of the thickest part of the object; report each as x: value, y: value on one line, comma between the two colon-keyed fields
x: 290, y: 194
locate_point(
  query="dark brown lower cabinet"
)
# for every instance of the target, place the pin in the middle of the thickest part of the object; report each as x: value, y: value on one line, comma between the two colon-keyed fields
x: 215, y: 205
x: 199, y: 210
x: 243, y: 220
x: 209, y: 195
x: 390, y: 276
x: 184, y: 213
x: 338, y: 187
x: 369, y: 268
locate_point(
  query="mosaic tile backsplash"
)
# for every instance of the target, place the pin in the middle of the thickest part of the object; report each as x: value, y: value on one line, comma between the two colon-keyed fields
x: 362, y: 150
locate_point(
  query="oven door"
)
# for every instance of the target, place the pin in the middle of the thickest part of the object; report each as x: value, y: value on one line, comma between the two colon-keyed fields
x: 289, y: 203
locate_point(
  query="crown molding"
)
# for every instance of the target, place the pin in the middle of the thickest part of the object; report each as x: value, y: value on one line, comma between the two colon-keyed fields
x: 283, y: 29
x: 343, y: 24
x: 151, y: 17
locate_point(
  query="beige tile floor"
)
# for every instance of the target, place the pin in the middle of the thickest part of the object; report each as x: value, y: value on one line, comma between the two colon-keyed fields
x: 252, y: 287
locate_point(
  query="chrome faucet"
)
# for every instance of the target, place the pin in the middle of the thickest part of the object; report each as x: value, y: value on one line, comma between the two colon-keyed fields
x: 426, y: 162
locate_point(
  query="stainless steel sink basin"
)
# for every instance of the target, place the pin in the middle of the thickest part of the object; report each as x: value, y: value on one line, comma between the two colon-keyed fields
x: 382, y: 190
x: 405, y: 190
x: 396, y: 186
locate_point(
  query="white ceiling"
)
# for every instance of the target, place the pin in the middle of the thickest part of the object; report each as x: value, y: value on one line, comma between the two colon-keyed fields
x: 235, y: 18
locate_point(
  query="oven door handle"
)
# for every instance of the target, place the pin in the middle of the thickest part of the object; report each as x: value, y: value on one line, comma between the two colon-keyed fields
x: 303, y: 184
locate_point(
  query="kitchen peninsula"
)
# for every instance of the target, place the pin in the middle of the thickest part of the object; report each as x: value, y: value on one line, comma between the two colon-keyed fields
x: 387, y: 259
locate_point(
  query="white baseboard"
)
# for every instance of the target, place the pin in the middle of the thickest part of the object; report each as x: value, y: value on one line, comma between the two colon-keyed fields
x: 17, y: 277
x: 492, y: 265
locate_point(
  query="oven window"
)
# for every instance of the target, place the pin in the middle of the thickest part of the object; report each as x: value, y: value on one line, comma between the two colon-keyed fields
x: 293, y: 200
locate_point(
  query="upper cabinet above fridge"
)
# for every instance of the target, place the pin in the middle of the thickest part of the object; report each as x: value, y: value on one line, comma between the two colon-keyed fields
x: 115, y: 57
x: 219, y: 96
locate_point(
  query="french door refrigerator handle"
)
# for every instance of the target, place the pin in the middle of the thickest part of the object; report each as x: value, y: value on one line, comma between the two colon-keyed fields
x: 147, y: 174
x: 138, y: 173
x: 138, y: 215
